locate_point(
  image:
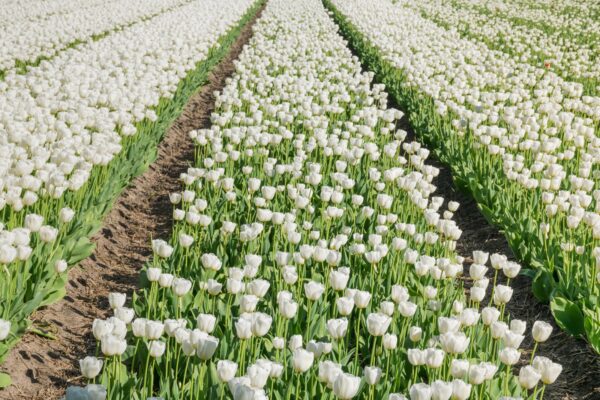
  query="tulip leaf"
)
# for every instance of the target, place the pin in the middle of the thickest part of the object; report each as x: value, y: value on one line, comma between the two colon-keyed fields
x: 81, y: 250
x: 5, y: 380
x: 543, y: 286
x: 592, y: 329
x: 568, y: 315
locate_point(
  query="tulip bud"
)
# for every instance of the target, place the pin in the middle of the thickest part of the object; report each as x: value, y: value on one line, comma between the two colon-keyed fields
x: 346, y: 386
x: 372, y: 375
x: 420, y: 391
x: 116, y: 300
x: 156, y: 348
x: 548, y: 370
x: 415, y: 333
x: 90, y: 367
x: 206, y: 322
x: 528, y: 377
x: 541, y: 331
x: 302, y: 360
x: 460, y: 390
x: 390, y: 341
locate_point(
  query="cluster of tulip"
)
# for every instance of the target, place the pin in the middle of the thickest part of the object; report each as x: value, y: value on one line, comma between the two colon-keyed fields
x: 76, y: 129
x: 50, y: 35
x: 571, y: 56
x: 26, y: 10
x: 309, y: 256
x: 567, y: 18
x: 523, y: 140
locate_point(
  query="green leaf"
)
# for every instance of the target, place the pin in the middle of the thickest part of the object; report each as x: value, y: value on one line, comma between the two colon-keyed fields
x: 82, y: 249
x: 5, y: 380
x: 592, y: 330
x: 568, y: 315
x: 543, y: 286
x: 54, y: 296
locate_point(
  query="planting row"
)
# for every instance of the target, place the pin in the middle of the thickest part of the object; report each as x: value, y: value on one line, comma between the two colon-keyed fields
x: 34, y: 40
x: 577, y: 20
x: 564, y: 55
x: 76, y: 130
x: 309, y: 256
x: 15, y: 12
x: 524, y: 141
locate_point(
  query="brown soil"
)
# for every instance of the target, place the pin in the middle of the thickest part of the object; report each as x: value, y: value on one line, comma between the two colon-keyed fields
x: 42, y: 368
x: 580, y: 378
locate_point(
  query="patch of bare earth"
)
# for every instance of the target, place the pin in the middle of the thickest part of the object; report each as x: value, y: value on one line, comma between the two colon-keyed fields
x: 42, y: 368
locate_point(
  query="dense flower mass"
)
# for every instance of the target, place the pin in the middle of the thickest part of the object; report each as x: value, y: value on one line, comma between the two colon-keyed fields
x: 522, y: 138
x: 560, y: 45
x: 47, y: 36
x: 310, y: 257
x: 75, y: 129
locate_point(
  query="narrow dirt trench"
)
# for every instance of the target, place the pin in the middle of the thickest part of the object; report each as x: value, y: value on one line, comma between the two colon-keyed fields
x: 41, y: 368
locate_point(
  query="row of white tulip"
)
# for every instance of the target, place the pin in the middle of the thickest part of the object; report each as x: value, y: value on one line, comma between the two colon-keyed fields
x: 524, y: 140
x: 310, y: 257
x: 16, y: 12
x: 571, y: 59
x: 64, y: 125
x: 29, y: 41
x: 571, y: 18
x: 69, y: 114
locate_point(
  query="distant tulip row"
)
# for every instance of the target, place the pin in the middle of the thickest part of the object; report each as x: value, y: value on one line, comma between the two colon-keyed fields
x: 568, y: 49
x: 30, y: 41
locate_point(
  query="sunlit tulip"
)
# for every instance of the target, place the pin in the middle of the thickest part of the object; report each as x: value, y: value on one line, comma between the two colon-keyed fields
x: 509, y: 356
x: 460, y: 390
x: 328, y: 372
x: 528, y: 377
x: 548, y: 370
x: 302, y: 360
x: 313, y: 290
x: 337, y: 328
x: 156, y: 348
x: 112, y: 345
x: 441, y: 390
x: 420, y: 391
x: 541, y: 331
x: 181, y: 286
x: 378, y: 324
x: 90, y: 367
x: 206, y: 322
x: 243, y: 328
x: 346, y: 386
x: 206, y: 347
x: 295, y: 342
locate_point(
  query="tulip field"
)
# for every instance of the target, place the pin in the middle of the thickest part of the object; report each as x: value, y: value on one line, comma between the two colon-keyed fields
x: 310, y: 253
x: 521, y: 137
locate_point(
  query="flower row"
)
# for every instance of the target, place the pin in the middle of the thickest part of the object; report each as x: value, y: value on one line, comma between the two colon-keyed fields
x: 568, y: 57
x: 31, y: 40
x: 17, y: 12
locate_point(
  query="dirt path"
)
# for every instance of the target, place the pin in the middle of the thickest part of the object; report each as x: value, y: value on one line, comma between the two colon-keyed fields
x: 42, y: 368
x: 580, y: 379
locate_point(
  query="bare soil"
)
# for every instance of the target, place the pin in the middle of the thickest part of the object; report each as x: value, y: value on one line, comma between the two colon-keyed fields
x: 42, y: 368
